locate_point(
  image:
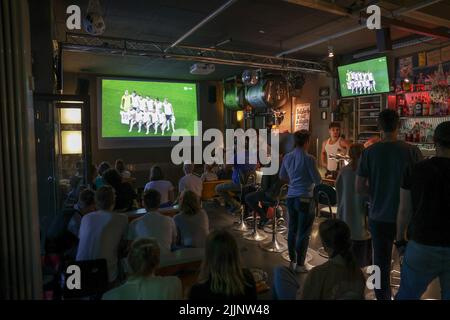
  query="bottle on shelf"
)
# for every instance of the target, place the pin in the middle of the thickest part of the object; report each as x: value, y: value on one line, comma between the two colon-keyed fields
x: 425, y: 107
x: 411, y: 106
x: 418, y: 107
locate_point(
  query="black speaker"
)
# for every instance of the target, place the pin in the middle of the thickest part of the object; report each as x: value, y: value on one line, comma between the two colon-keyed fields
x: 384, y: 42
x: 212, y: 94
x: 82, y: 87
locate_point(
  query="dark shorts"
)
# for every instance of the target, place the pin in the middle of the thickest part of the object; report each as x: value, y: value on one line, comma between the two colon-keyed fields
x: 168, y: 117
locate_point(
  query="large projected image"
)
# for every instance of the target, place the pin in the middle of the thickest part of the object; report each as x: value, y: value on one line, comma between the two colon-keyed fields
x: 364, y: 78
x: 147, y: 108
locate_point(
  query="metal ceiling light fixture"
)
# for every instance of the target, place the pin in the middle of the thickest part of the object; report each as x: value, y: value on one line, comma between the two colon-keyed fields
x: 330, y: 52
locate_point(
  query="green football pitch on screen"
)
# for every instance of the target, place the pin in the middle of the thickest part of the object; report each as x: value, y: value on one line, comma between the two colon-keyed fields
x: 364, y: 78
x: 118, y: 115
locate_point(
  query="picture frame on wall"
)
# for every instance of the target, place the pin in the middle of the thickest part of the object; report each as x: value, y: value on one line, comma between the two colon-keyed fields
x: 324, y: 103
x: 324, y: 91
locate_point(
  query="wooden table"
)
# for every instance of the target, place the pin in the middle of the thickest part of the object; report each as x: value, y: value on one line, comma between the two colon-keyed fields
x: 169, y: 211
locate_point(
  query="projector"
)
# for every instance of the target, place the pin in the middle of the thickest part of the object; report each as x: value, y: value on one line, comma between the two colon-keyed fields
x: 202, y: 68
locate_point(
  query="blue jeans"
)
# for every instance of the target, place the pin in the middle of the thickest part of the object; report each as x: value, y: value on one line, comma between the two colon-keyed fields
x: 421, y: 265
x: 383, y: 235
x: 285, y: 284
x: 301, y: 219
x: 224, y: 191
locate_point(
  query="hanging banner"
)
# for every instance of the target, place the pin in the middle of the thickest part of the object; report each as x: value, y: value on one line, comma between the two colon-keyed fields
x: 302, y: 115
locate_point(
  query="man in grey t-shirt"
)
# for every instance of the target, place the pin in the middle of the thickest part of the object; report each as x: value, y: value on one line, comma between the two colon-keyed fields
x: 379, y: 175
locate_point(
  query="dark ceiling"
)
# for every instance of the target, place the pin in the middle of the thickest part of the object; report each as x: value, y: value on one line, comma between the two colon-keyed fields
x: 255, y: 26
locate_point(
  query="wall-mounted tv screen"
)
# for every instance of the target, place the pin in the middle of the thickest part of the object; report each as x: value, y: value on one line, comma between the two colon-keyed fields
x: 364, y: 78
x: 140, y: 112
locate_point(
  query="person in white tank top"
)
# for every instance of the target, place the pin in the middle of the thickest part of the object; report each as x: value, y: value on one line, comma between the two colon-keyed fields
x: 333, y: 145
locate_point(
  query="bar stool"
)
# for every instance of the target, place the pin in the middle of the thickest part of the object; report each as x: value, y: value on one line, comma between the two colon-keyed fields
x: 325, y: 195
x: 255, y: 234
x: 248, y: 181
x: 275, y: 245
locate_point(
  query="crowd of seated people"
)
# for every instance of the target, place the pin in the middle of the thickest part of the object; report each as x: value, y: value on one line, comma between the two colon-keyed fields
x: 408, y: 198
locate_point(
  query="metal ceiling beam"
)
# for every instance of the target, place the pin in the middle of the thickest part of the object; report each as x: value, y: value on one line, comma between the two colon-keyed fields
x: 322, y: 6
x: 413, y: 28
x: 115, y: 46
x: 425, y: 17
x: 201, y: 23
x: 395, y: 13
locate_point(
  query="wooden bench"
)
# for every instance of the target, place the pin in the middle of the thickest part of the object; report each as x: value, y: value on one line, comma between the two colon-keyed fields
x: 184, y: 263
x: 209, y: 189
x: 169, y: 211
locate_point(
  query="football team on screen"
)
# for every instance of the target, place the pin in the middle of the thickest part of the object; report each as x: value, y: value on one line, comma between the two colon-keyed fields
x: 143, y: 111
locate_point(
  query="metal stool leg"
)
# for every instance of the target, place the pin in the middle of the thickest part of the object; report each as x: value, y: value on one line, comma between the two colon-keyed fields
x: 274, y: 245
x: 255, y: 235
x: 241, y: 225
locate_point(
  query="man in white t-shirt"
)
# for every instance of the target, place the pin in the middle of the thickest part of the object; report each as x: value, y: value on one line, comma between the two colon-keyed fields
x: 190, y: 181
x: 102, y: 233
x: 153, y: 224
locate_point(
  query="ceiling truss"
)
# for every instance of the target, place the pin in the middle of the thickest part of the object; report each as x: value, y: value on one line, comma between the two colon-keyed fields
x: 115, y: 46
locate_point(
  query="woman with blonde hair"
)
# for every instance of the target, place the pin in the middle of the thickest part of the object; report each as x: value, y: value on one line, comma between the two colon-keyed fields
x: 222, y: 276
x: 192, y: 222
x: 143, y: 284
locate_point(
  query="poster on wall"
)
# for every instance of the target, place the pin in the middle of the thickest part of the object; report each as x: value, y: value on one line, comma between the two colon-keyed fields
x: 406, y: 67
x: 302, y: 115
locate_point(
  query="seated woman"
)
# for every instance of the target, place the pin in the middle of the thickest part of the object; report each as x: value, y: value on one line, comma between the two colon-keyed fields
x: 192, y: 222
x: 164, y: 187
x: 352, y: 208
x: 208, y: 173
x: 99, y: 182
x: 143, y: 284
x: 222, y: 276
x: 125, y: 195
x: 120, y: 166
x: 337, y: 279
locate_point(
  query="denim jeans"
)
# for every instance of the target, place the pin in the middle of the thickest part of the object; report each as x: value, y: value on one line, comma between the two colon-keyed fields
x: 301, y: 219
x: 285, y: 284
x: 252, y: 199
x: 224, y: 191
x: 383, y: 235
x: 421, y: 265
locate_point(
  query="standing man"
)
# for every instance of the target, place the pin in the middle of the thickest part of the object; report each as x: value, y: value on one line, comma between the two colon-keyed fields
x: 168, y: 111
x: 425, y: 212
x: 332, y: 146
x: 379, y: 175
x: 300, y: 170
x: 125, y: 102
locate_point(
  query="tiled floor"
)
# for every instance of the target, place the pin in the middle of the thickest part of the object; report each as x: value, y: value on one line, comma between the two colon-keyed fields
x: 254, y: 257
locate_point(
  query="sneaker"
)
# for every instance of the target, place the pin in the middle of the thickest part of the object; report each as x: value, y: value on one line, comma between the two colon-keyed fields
x: 303, y: 269
x: 292, y: 265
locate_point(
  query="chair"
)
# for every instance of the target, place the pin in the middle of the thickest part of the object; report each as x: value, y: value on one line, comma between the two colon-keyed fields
x: 246, y: 181
x: 275, y: 245
x: 93, y: 279
x: 325, y: 195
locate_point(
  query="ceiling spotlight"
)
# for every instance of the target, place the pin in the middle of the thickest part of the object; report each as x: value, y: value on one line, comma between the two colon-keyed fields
x: 330, y: 52
x: 262, y: 31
